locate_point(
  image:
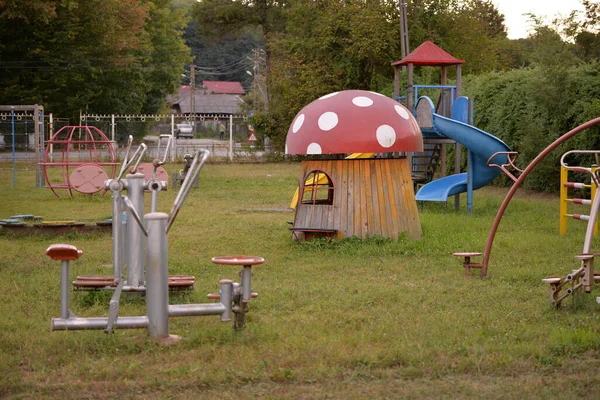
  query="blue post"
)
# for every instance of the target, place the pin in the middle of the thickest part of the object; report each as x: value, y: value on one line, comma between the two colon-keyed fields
x: 13, y: 147
x: 470, y: 156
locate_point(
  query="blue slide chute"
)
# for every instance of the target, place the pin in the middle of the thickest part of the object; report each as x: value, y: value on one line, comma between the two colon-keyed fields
x: 481, y: 146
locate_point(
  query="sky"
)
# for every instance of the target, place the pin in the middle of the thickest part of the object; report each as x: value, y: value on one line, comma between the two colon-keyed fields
x: 518, y: 25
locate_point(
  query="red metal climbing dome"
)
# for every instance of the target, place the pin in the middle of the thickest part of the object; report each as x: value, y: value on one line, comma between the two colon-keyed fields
x: 85, y: 157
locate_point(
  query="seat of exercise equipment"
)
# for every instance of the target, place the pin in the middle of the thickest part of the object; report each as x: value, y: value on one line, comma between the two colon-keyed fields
x: 174, y: 281
x: 63, y: 252
x: 238, y: 260
x: 553, y: 280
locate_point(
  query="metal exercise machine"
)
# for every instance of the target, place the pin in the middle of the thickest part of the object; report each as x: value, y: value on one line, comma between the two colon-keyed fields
x: 149, y: 232
x: 584, y: 277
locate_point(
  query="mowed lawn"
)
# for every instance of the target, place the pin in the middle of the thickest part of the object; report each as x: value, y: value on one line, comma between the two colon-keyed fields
x: 347, y: 320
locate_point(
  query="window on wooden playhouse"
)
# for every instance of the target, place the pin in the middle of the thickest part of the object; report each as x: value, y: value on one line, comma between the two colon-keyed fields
x: 318, y: 188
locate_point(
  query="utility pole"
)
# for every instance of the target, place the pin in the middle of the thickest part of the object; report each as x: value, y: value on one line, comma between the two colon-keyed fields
x: 404, y: 49
x: 254, y: 79
x: 193, y: 94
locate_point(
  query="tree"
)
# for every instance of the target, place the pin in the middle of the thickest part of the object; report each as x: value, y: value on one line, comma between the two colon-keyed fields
x: 317, y: 47
x: 473, y: 30
x: 218, y: 19
x: 167, y: 53
x: 106, y: 56
x: 225, y: 59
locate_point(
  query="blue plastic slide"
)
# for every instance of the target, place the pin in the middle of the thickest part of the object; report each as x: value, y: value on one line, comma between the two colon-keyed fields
x: 481, y: 146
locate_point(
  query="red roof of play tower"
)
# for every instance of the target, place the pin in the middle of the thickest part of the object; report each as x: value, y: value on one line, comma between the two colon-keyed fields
x: 429, y: 54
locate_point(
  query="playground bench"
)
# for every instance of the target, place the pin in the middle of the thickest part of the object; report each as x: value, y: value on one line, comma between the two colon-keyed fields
x: 330, y: 233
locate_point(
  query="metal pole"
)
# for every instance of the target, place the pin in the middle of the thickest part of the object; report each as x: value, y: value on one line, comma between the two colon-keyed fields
x: 457, y: 171
x: 247, y: 283
x: 112, y: 128
x: 117, y: 227
x: 174, y: 149
x: 64, y: 290
x: 76, y: 324
x: 14, y: 161
x: 231, y: 137
x: 135, y: 236
x: 38, y: 137
x: 239, y: 308
x: 193, y: 95
x: 226, y: 298
x: 196, y: 310
x: 470, y: 156
x: 157, y: 287
x: 50, y: 134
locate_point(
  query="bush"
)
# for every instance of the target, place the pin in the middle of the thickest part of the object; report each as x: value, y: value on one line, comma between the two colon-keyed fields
x: 530, y: 108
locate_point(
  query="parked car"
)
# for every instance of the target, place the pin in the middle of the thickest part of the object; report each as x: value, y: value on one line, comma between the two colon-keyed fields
x: 184, y: 131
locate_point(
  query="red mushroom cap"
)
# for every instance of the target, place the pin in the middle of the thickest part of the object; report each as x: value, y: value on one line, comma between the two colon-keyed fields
x: 353, y: 121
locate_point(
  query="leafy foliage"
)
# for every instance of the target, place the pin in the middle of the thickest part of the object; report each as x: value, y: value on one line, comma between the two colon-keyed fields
x: 225, y: 60
x: 530, y: 108
x: 105, y: 56
x: 313, y: 48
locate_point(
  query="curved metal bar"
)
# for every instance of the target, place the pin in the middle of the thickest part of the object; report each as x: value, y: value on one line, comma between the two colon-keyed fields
x: 124, y: 165
x: 138, y: 153
x: 519, y: 181
x: 137, y: 163
x: 169, y: 143
x: 186, y: 186
x: 502, y: 167
x: 565, y: 165
x: 135, y: 214
x: 587, y: 170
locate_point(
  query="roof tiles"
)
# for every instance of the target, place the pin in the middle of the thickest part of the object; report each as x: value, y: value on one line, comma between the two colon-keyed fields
x: 429, y: 54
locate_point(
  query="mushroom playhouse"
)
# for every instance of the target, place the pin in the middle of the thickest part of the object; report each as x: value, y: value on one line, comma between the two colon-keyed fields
x: 362, y: 197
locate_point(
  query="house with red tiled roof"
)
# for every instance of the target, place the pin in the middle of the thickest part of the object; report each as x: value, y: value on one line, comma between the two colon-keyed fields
x: 219, y: 87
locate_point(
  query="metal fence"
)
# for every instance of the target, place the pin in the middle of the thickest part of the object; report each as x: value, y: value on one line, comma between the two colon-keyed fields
x: 207, y: 129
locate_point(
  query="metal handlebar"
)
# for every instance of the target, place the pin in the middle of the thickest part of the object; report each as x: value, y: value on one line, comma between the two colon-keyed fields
x: 510, y: 162
x: 139, y: 153
x: 591, y: 171
x: 158, y: 162
x: 187, y: 185
x: 154, y: 185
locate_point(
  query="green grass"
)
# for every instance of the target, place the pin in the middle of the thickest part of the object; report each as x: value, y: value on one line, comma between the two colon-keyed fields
x: 350, y: 319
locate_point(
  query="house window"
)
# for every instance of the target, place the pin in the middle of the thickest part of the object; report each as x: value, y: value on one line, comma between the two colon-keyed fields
x: 318, y: 188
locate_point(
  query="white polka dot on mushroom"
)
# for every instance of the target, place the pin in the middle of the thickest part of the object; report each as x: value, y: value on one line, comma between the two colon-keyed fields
x: 328, y: 96
x: 313, y: 148
x: 298, y: 123
x: 362, y: 101
x: 286, y: 151
x: 328, y: 121
x: 401, y: 111
x: 386, y: 136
